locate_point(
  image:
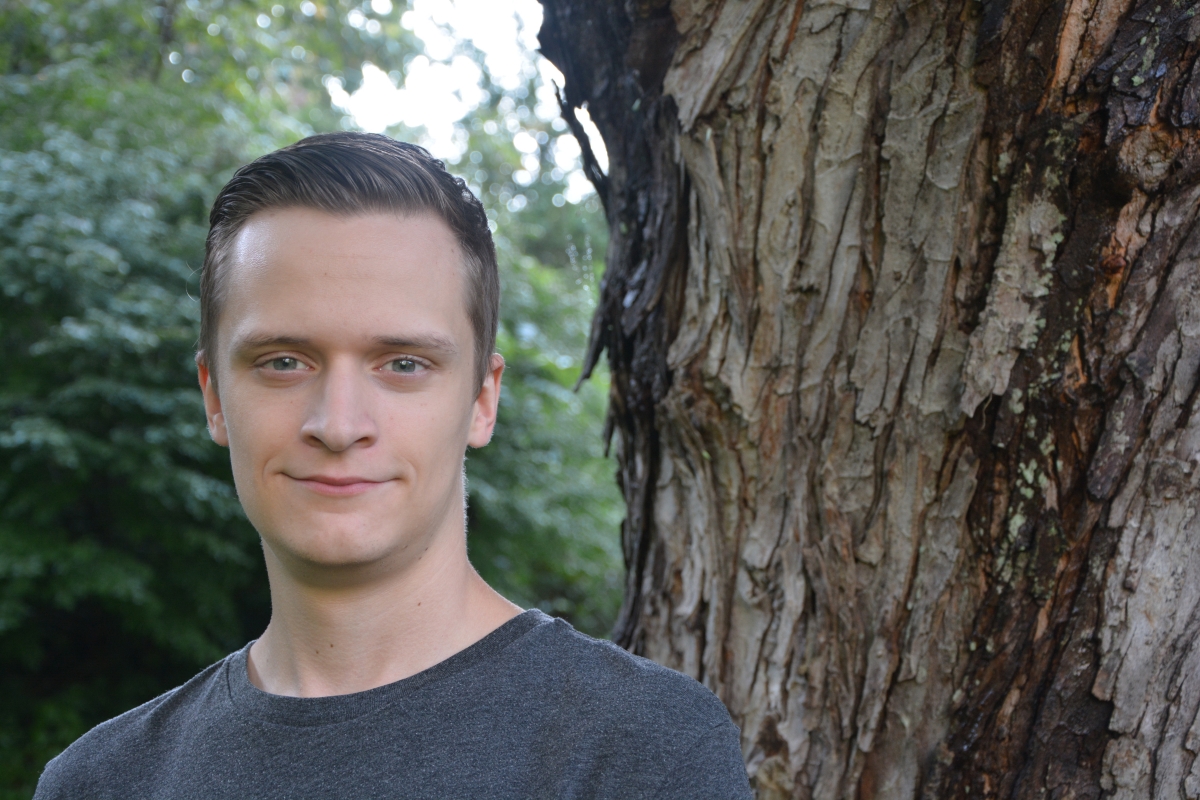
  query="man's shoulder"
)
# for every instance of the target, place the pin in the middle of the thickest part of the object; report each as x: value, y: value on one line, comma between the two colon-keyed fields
x: 138, y: 731
x: 594, y: 674
x: 662, y: 732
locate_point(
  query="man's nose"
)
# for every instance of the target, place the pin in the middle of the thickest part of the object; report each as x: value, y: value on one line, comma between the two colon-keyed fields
x: 341, y: 415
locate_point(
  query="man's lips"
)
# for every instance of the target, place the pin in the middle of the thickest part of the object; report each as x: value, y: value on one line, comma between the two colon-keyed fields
x: 337, y: 486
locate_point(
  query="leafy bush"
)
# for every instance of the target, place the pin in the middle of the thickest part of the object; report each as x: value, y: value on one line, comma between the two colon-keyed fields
x: 126, y: 563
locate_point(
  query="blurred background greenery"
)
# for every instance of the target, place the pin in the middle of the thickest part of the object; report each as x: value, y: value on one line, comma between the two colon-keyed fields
x: 126, y: 564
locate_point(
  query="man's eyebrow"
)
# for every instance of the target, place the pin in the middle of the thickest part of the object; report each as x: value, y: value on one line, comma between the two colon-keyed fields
x: 258, y: 341
x: 420, y: 341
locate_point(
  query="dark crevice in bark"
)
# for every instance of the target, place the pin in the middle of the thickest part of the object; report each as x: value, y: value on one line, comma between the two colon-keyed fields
x: 614, y: 59
x: 591, y: 167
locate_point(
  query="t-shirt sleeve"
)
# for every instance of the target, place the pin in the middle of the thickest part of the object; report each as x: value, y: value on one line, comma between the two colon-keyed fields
x: 711, y: 767
x: 59, y: 782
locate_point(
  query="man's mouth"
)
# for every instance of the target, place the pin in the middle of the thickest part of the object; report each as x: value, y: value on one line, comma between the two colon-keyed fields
x: 338, y: 485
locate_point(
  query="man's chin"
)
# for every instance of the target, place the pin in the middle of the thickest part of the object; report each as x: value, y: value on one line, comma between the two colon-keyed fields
x: 337, y: 555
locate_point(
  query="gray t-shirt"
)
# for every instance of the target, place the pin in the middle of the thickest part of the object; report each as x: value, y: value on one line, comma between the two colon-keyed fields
x: 533, y: 710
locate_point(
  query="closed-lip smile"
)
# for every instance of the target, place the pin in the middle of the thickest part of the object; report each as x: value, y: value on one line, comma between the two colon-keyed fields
x: 337, y: 486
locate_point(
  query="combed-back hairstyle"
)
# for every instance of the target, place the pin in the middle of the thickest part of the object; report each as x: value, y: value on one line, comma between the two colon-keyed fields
x: 347, y: 174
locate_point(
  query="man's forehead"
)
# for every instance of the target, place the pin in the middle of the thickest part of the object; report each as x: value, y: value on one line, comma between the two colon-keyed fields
x: 273, y: 230
x: 295, y: 271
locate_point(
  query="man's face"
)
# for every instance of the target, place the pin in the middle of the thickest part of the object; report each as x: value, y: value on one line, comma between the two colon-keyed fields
x: 347, y: 391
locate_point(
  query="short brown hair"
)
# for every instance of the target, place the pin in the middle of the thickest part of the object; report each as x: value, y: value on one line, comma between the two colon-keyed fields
x: 355, y: 173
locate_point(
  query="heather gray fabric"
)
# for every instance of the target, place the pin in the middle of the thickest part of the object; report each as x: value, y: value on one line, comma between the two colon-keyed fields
x: 533, y: 710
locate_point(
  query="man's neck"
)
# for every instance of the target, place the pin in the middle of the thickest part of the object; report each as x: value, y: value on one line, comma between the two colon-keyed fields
x: 347, y: 638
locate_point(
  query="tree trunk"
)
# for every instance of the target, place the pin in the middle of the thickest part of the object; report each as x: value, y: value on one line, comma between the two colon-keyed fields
x: 902, y: 308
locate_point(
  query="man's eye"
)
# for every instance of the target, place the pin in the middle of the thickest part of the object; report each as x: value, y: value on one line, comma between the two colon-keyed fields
x: 284, y: 364
x: 404, y: 365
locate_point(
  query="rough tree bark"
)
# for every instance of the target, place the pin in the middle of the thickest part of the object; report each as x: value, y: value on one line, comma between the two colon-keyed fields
x: 902, y: 308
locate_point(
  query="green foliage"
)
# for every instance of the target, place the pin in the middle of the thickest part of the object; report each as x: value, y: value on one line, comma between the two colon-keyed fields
x: 260, y: 67
x: 544, y: 508
x: 126, y: 563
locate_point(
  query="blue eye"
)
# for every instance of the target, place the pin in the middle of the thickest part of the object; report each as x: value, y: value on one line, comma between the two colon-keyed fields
x: 403, y: 365
x: 284, y: 364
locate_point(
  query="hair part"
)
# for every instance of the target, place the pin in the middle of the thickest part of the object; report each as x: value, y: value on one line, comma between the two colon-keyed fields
x: 351, y: 173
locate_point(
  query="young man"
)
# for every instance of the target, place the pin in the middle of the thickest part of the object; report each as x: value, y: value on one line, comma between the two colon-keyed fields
x: 349, y: 304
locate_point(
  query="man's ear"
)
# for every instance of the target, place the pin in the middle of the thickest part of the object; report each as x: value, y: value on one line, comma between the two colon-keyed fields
x: 483, y: 419
x: 212, y: 403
